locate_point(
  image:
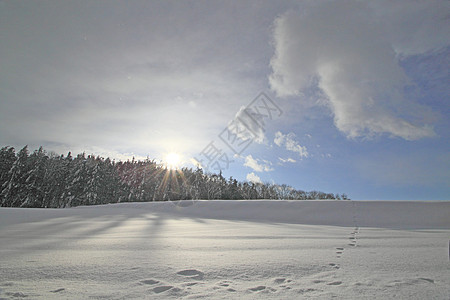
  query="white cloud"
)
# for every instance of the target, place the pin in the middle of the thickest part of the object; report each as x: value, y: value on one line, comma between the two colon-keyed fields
x: 252, y: 177
x: 247, y: 124
x: 287, y: 160
x: 350, y: 50
x: 256, y: 165
x: 288, y: 141
x: 279, y: 139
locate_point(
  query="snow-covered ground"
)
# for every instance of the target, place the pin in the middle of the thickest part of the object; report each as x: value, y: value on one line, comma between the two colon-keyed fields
x: 228, y: 250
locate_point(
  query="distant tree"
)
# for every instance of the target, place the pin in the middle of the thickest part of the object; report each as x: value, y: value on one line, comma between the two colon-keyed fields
x: 14, y: 190
x: 284, y: 191
x: 34, y: 183
x: 7, y: 159
x: 42, y: 180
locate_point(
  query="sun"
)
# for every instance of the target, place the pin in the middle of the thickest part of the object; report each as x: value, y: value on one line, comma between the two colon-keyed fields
x: 173, y: 160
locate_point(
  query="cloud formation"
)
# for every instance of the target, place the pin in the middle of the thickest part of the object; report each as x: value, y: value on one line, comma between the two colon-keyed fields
x: 287, y: 160
x: 288, y: 141
x: 252, y: 177
x: 350, y: 50
x: 247, y: 125
x: 257, y: 165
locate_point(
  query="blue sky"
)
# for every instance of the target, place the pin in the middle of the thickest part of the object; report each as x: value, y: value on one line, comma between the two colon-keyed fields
x: 363, y: 86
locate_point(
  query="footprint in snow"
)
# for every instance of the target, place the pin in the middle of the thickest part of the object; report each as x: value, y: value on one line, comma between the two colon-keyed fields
x: 17, y: 295
x: 303, y: 291
x: 334, y: 265
x: 318, y: 281
x: 335, y: 283
x: 193, y: 274
x: 339, y: 251
x: 279, y: 280
x: 149, y: 281
x: 409, y: 282
x: 224, y: 283
x: 258, y: 288
x: 191, y: 283
x: 162, y: 288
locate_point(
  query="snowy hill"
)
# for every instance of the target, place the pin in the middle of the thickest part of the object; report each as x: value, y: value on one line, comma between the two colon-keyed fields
x: 384, y: 214
x: 227, y: 250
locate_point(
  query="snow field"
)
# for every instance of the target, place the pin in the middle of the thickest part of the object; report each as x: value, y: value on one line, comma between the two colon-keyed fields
x: 227, y: 250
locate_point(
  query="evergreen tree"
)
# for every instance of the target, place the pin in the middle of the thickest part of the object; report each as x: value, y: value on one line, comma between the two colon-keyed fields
x: 34, y: 183
x: 7, y: 159
x: 41, y: 180
x: 14, y: 189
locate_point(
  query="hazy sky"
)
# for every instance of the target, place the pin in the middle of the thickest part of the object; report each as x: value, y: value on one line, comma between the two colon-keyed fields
x: 362, y: 87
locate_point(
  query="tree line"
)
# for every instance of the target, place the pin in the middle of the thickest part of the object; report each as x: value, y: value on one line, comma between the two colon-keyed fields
x: 40, y: 179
